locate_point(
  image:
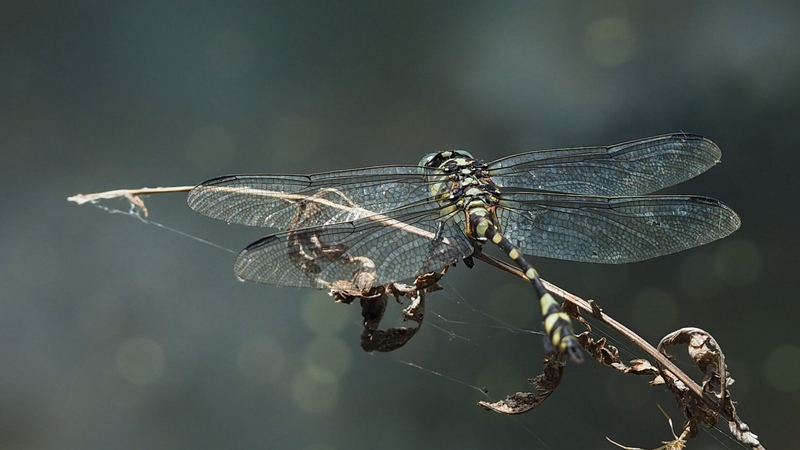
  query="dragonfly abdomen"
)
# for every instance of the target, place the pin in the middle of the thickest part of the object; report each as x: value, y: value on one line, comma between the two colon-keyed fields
x: 557, y: 323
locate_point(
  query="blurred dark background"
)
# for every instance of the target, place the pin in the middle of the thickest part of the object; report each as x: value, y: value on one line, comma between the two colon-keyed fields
x: 115, y: 334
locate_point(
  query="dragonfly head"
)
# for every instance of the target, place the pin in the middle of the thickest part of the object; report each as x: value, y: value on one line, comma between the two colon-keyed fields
x: 435, y: 160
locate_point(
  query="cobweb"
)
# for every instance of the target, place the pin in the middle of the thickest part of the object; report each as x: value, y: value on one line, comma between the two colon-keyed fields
x: 452, y: 316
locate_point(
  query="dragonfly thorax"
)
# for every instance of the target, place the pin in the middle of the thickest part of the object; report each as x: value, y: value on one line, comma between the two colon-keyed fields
x: 456, y: 178
x: 461, y: 183
x: 437, y: 159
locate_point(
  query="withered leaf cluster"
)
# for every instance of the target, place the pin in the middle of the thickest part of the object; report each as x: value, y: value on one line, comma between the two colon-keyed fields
x: 373, y: 307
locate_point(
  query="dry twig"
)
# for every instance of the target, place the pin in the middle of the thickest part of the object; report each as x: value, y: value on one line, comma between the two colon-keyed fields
x: 677, y: 442
x: 700, y: 404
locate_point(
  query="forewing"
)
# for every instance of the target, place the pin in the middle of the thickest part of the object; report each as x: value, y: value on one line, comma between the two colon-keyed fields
x: 367, y: 252
x: 612, y: 230
x: 296, y: 201
x: 633, y: 168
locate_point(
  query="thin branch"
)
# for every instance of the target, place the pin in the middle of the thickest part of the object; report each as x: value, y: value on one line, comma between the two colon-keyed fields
x: 605, y: 318
x: 127, y: 193
x: 717, y: 403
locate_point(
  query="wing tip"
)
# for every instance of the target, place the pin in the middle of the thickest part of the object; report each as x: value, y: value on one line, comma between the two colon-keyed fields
x: 701, y: 143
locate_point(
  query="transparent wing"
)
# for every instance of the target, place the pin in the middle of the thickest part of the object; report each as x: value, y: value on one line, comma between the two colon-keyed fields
x: 633, y: 168
x: 367, y: 252
x: 612, y: 230
x: 295, y: 201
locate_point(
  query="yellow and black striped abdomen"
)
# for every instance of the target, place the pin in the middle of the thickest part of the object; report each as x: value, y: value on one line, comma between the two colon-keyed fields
x: 557, y: 323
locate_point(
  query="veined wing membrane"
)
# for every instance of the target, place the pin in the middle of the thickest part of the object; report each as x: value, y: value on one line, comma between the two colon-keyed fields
x: 296, y: 201
x: 370, y: 251
x: 634, y: 168
x: 612, y: 230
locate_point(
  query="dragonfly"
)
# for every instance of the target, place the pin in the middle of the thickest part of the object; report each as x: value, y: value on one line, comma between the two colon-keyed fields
x: 361, y: 228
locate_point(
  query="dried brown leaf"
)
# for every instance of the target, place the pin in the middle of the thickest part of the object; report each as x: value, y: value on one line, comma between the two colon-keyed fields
x: 601, y: 351
x: 388, y: 340
x: 716, y: 401
x: 373, y: 307
x: 574, y: 312
x: 543, y: 384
